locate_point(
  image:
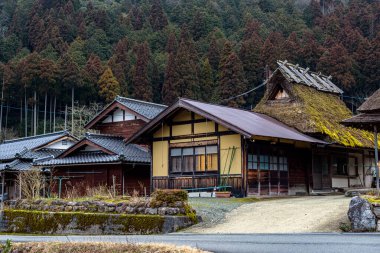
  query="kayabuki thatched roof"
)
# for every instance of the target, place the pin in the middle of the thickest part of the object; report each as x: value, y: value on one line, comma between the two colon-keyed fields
x: 312, y: 111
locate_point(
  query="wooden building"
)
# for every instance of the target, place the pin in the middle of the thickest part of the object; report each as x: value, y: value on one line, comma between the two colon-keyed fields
x: 103, y: 158
x: 292, y: 143
x: 18, y: 155
x: 311, y: 103
x: 200, y: 145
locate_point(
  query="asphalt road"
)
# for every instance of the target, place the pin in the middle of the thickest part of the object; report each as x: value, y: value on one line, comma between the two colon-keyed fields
x: 255, y: 243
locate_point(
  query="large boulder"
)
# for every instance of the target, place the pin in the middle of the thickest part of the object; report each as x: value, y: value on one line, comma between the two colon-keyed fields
x: 361, y: 216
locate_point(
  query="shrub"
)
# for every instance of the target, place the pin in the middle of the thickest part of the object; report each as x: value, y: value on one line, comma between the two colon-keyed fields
x: 169, y: 196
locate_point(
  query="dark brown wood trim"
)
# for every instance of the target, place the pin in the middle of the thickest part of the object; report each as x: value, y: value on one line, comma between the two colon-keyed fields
x: 187, y: 122
x: 193, y: 143
x: 194, y: 136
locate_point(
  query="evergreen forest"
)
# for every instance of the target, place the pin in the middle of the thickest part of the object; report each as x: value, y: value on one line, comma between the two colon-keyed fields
x: 62, y: 60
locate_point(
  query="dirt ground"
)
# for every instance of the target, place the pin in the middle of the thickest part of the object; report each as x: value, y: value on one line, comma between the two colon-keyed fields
x: 289, y: 215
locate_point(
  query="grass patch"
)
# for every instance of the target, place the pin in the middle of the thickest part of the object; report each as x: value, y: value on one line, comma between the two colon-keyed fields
x: 55, y: 247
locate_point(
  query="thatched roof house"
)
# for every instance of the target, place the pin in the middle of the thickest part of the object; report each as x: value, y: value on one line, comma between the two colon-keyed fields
x: 311, y: 103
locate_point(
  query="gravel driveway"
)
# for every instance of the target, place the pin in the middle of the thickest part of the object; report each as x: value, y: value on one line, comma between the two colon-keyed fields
x: 288, y: 215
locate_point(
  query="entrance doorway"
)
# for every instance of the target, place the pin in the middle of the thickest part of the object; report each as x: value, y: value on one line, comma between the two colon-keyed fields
x: 267, y: 172
x: 321, y: 172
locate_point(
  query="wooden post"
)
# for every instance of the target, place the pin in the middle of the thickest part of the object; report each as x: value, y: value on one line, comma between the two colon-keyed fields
x: 2, y: 190
x: 114, y: 185
x: 20, y: 185
x: 376, y: 160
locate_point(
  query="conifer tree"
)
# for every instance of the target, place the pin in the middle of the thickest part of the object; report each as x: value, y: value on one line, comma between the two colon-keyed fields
x: 120, y: 65
x: 157, y: 17
x: 206, y: 82
x: 109, y: 87
x: 292, y: 48
x: 336, y: 62
x: 185, y: 73
x: 213, y: 53
x: 171, y: 45
x: 250, y: 57
x: 142, y: 88
x: 231, y: 77
x: 170, y: 92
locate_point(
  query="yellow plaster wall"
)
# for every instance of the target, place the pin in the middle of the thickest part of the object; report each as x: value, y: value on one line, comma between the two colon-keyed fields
x: 222, y: 128
x: 179, y: 130
x: 226, y: 142
x: 160, y: 158
x: 204, y: 127
x: 162, y: 132
x: 183, y: 115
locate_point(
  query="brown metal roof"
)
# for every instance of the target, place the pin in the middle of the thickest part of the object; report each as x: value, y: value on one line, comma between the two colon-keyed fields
x: 246, y: 123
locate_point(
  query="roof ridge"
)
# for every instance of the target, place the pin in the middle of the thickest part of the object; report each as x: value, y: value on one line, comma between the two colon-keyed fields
x: 208, y: 103
x: 35, y: 136
x: 139, y: 101
x: 88, y: 135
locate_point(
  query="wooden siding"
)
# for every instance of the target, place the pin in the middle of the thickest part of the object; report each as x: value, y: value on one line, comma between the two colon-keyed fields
x: 123, y: 128
x: 187, y: 182
x: 89, y: 176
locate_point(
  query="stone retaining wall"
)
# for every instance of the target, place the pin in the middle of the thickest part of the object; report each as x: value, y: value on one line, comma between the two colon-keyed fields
x: 138, y: 207
x: 44, y: 222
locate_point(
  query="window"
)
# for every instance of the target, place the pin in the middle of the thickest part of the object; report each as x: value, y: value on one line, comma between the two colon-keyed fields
x: 194, y: 159
x: 339, y: 165
x: 265, y: 162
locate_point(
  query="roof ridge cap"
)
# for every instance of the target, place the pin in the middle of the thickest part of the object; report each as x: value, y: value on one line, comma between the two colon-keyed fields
x: 35, y: 136
x: 139, y: 101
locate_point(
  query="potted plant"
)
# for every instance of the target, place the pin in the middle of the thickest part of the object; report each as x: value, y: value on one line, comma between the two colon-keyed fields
x: 223, y: 194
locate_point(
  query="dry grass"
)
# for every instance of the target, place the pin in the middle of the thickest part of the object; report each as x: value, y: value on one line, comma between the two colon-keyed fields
x: 58, y: 247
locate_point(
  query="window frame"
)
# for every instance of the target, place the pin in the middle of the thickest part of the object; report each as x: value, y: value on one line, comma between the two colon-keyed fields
x: 194, y: 156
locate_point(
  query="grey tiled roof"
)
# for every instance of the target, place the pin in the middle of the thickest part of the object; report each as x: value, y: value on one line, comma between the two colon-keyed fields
x: 41, y: 153
x: 294, y: 73
x: 146, y: 109
x: 8, y: 149
x: 81, y: 158
x: 122, y: 152
x: 16, y: 165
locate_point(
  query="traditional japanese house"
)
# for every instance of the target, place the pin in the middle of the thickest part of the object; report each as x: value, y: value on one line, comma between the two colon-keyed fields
x: 311, y: 103
x: 200, y: 145
x: 18, y: 155
x: 103, y: 158
x: 292, y: 143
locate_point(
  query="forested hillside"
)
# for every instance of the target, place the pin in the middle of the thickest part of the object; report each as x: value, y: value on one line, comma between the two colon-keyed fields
x: 159, y: 50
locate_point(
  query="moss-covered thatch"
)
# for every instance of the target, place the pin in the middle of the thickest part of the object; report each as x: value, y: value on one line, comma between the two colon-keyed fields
x: 316, y: 112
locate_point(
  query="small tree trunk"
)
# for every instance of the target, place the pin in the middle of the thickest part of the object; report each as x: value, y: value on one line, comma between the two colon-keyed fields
x: 21, y: 119
x: 1, y: 107
x: 72, y: 110
x: 50, y: 105
x: 35, y: 114
x: 26, y: 115
x: 55, y: 104
x: 45, y: 112
x: 66, y: 117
